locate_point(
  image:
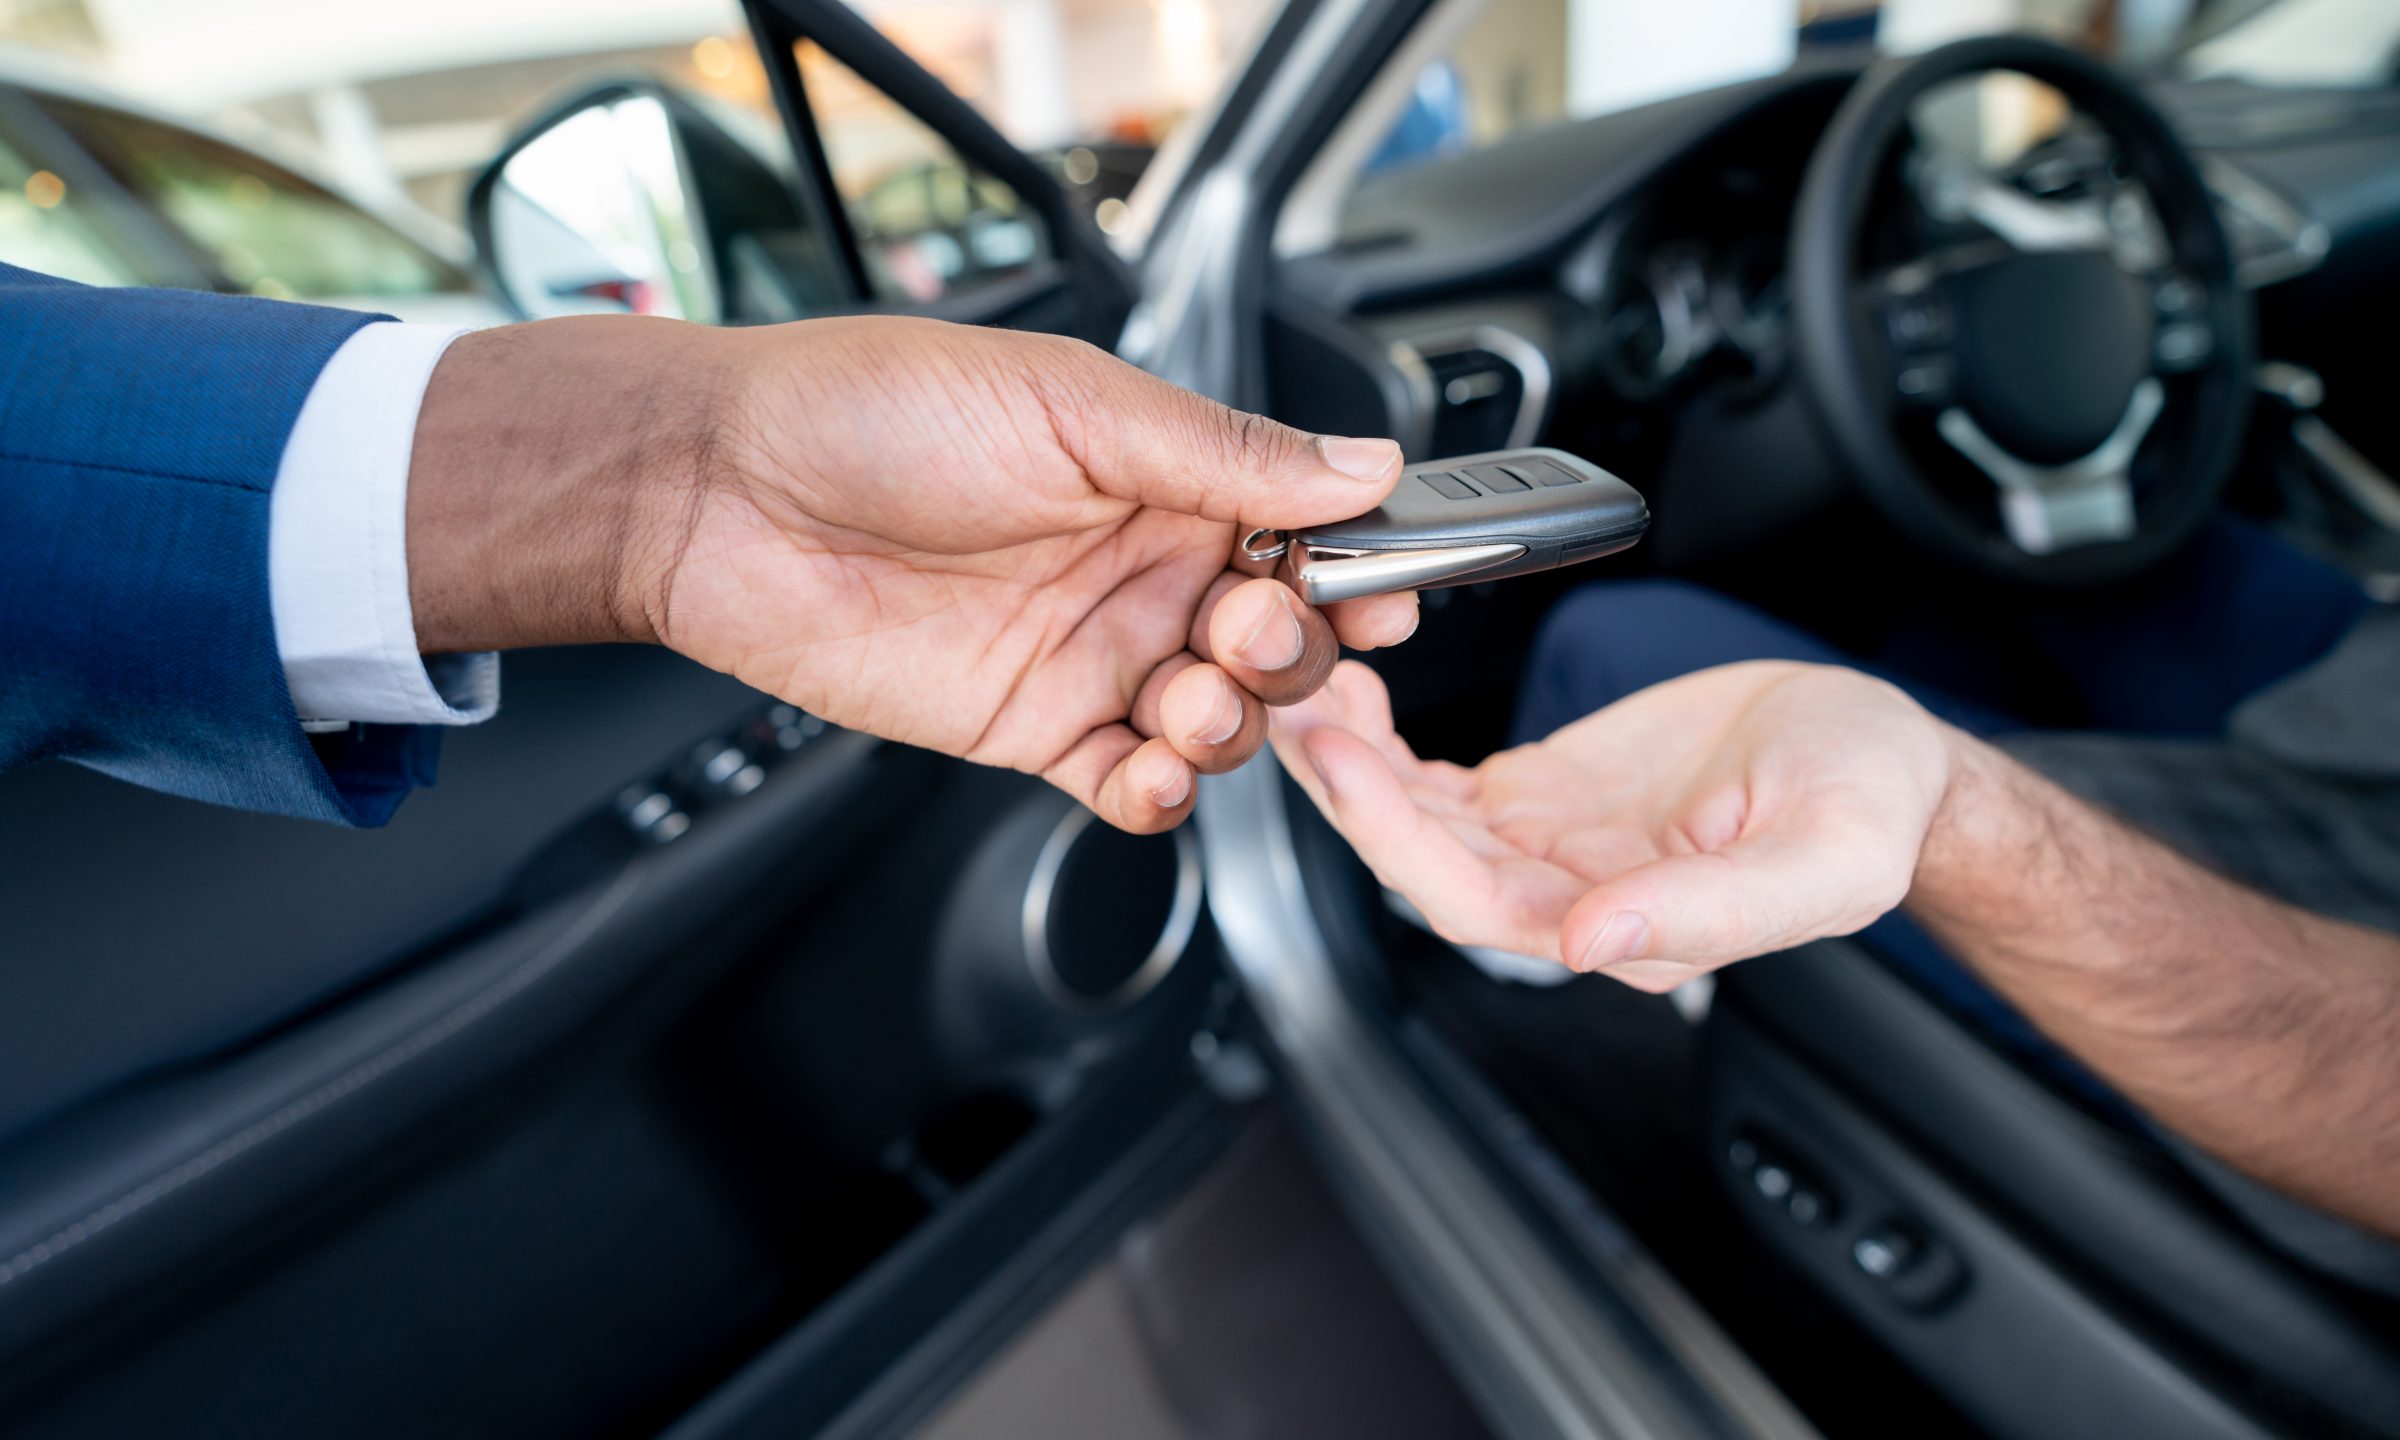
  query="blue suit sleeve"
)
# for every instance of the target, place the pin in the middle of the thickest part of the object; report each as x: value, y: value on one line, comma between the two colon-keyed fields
x: 140, y: 433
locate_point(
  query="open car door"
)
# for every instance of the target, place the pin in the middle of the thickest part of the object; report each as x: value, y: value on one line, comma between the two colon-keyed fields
x: 678, y: 1062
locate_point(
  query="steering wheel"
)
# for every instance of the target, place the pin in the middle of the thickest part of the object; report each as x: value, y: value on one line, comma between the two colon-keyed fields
x: 2050, y: 390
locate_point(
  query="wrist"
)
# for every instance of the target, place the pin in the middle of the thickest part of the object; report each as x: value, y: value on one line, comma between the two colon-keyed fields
x: 2009, y: 865
x: 552, y: 480
x: 1962, y: 817
x: 1971, y: 829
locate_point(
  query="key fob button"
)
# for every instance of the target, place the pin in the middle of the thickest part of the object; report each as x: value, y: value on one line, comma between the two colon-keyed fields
x: 1499, y: 479
x: 1448, y: 485
x: 1550, y: 472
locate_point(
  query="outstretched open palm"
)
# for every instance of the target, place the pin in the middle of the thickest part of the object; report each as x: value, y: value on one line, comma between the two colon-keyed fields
x: 1727, y: 814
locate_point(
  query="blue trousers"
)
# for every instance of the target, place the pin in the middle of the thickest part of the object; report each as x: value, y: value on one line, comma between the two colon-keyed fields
x: 2236, y: 612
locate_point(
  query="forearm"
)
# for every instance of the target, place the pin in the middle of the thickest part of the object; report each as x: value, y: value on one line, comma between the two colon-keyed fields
x: 2269, y: 1036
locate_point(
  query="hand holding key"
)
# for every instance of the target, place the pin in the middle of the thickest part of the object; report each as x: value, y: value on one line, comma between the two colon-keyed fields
x: 1007, y: 547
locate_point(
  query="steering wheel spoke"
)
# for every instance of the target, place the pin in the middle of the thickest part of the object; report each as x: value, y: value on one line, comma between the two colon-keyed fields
x: 2086, y: 501
x: 1955, y: 190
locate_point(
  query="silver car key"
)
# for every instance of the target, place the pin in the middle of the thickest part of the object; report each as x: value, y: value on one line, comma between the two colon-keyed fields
x: 1462, y: 522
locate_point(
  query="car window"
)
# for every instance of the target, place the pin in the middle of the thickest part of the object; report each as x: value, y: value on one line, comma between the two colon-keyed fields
x: 929, y: 225
x: 265, y: 229
x: 2307, y: 42
x: 1520, y: 65
x: 408, y: 105
x: 43, y: 227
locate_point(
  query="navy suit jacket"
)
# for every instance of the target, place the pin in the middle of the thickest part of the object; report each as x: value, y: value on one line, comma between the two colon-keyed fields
x: 140, y: 432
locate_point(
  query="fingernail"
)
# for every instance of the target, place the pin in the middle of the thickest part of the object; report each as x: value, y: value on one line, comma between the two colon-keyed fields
x: 1225, y: 720
x: 1275, y: 641
x: 1619, y: 940
x: 1360, y: 459
x: 1173, y: 792
x: 1416, y: 617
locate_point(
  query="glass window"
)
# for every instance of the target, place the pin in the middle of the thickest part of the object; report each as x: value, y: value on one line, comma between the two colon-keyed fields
x: 930, y: 226
x: 402, y: 103
x: 406, y: 105
x: 1522, y: 64
x: 265, y: 229
x: 2306, y: 42
x: 43, y: 227
x: 1519, y: 65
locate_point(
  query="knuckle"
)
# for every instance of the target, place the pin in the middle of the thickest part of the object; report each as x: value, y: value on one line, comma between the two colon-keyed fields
x: 1237, y: 439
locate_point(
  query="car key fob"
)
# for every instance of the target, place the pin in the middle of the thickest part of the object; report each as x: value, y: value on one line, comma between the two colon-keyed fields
x: 1462, y: 522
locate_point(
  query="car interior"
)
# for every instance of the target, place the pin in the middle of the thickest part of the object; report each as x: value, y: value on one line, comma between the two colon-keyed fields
x: 1722, y: 305
x: 679, y: 1064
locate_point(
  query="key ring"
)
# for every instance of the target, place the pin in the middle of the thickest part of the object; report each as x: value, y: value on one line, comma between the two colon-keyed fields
x: 1251, y: 549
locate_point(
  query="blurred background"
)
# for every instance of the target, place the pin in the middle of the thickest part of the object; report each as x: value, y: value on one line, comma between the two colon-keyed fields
x: 397, y: 108
x: 407, y: 102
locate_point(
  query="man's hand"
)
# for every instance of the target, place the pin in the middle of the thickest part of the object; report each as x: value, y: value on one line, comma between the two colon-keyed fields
x: 1746, y: 809
x: 1723, y: 815
x: 1009, y: 547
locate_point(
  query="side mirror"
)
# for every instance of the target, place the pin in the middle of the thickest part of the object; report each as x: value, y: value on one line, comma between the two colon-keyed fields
x: 629, y: 197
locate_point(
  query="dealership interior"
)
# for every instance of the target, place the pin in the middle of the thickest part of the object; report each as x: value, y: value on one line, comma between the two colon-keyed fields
x: 401, y: 106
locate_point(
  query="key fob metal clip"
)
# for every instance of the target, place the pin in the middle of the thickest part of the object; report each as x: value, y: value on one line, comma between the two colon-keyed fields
x: 1462, y: 522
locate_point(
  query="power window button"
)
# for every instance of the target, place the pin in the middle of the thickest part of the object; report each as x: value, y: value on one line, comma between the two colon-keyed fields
x: 1907, y: 1264
x: 1781, y: 1183
x: 1884, y: 1253
x: 1773, y: 1182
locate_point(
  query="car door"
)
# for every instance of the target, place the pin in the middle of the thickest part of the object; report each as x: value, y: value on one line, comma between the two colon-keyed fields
x: 677, y: 1062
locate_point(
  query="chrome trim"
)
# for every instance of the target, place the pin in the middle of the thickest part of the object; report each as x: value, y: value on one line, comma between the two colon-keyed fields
x: 1541, y: 1358
x: 1327, y: 576
x: 2347, y: 469
x: 1183, y: 328
x: 2034, y: 225
x: 1414, y: 431
x: 2086, y: 501
x: 2306, y: 242
x: 1174, y: 938
x: 1514, y: 350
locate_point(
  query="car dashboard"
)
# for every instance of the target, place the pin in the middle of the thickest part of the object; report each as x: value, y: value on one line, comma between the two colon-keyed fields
x: 1609, y: 272
x: 1614, y: 286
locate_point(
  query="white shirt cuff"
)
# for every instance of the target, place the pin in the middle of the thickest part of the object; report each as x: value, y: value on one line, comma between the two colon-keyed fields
x: 337, y: 547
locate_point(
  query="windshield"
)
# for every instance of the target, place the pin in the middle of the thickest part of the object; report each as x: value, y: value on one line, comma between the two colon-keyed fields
x: 261, y: 228
x: 2350, y: 43
x: 1517, y: 65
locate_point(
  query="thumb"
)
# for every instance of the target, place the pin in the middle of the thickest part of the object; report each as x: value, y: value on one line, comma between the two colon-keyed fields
x: 1751, y: 898
x: 1139, y: 438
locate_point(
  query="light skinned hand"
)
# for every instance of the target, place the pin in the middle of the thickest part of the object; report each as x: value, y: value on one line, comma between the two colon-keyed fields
x: 1729, y: 813
x: 1009, y: 547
